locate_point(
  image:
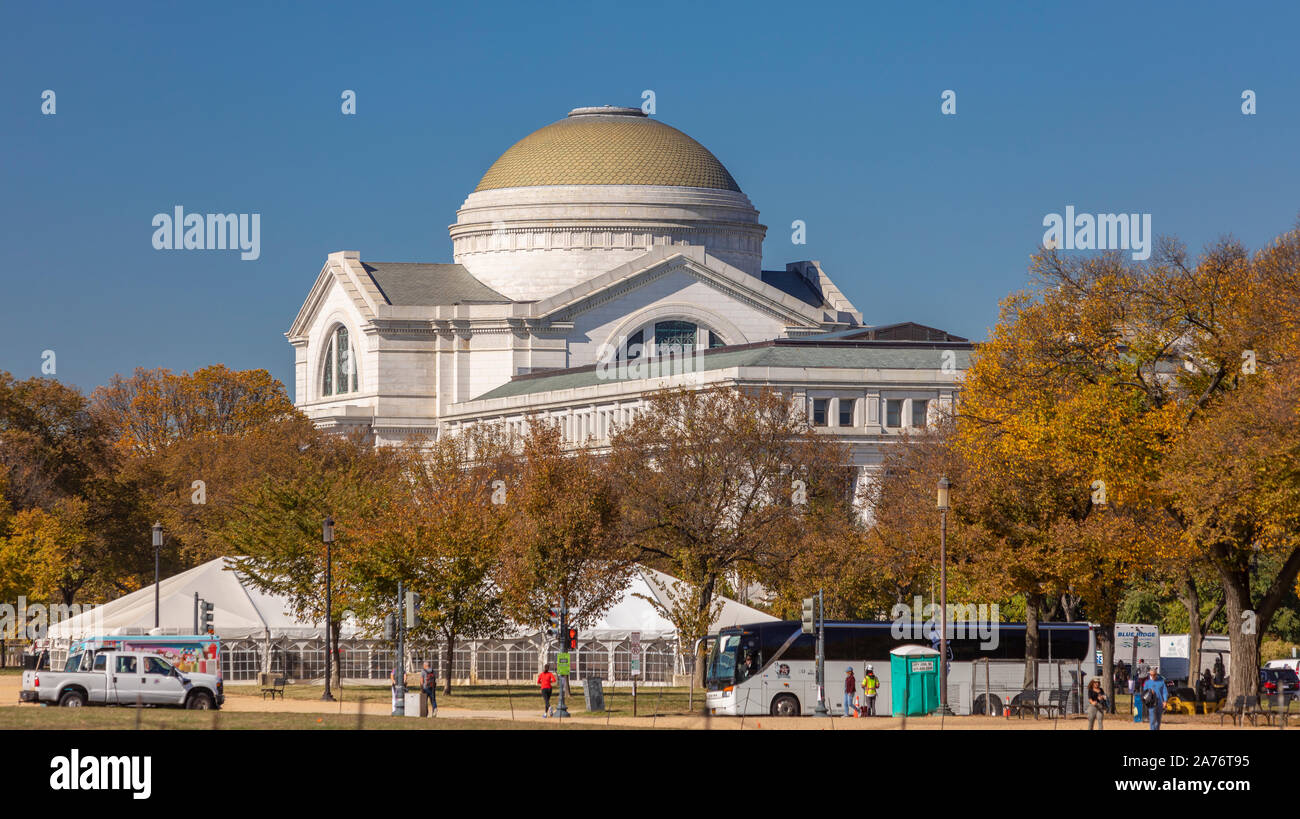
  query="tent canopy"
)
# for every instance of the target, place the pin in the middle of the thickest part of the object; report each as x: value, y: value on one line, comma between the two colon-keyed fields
x: 241, y: 610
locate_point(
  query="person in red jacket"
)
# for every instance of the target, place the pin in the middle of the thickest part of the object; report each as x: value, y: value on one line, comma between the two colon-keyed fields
x: 547, y: 681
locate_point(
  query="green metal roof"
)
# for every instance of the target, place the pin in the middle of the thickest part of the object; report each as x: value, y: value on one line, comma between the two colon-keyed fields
x: 785, y: 353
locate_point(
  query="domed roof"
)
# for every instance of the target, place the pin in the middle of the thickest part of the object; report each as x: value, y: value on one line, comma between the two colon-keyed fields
x: 607, y: 146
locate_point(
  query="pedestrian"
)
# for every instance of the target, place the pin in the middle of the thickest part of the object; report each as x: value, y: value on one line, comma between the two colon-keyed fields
x: 850, y: 689
x: 1154, y: 696
x: 1219, y: 670
x: 1097, y: 705
x: 870, y: 687
x: 429, y: 684
x: 547, y: 681
x: 396, y: 679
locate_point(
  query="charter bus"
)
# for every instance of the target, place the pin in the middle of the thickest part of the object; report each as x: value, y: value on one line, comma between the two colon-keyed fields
x: 781, y: 677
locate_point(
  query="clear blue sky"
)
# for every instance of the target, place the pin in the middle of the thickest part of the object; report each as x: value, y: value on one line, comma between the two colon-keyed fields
x: 829, y: 113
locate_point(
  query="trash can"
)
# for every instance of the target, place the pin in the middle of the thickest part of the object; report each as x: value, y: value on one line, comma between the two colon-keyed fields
x: 417, y: 703
x: 914, y: 680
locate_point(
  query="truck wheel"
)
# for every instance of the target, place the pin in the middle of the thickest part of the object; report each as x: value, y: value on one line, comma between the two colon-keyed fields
x: 199, y: 701
x: 72, y: 699
x: 785, y: 705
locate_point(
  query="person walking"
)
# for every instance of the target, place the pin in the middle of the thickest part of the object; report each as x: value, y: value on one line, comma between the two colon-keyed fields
x: 1097, y: 705
x: 850, y: 690
x: 428, y: 684
x: 1154, y: 696
x: 870, y: 687
x: 546, y: 680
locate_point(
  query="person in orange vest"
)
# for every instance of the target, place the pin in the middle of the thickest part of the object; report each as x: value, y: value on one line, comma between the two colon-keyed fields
x: 870, y: 687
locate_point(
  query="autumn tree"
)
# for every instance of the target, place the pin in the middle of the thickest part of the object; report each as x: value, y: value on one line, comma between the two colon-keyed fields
x: 561, y: 537
x: 275, y: 528
x: 715, y: 486
x: 440, y: 530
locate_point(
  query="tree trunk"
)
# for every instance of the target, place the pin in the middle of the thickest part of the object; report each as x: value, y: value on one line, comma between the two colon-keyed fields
x: 1190, y: 597
x: 1243, y: 680
x: 1106, y: 642
x: 451, y: 643
x: 706, y: 600
x: 1031, y: 640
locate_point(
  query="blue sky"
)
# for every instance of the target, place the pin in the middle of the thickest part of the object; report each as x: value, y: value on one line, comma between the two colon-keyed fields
x: 828, y: 113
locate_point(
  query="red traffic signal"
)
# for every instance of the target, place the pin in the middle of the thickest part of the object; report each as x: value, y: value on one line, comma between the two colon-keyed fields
x: 573, y: 639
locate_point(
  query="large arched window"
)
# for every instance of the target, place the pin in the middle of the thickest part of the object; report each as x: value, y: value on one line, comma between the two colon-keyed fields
x: 675, y: 338
x: 339, y: 375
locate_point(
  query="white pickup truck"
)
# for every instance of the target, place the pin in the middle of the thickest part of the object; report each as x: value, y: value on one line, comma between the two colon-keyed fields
x: 124, y: 678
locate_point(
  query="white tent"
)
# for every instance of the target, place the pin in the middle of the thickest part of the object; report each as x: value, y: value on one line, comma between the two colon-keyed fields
x: 240, y: 610
x: 635, y: 611
x: 258, y: 631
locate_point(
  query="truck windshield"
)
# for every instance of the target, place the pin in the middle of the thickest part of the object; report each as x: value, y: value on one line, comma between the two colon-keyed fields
x: 721, y: 662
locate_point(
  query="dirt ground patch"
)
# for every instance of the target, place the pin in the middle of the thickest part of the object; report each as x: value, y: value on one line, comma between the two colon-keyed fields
x: 375, y: 712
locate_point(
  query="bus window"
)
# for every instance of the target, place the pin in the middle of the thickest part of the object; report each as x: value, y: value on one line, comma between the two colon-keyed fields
x: 722, y: 660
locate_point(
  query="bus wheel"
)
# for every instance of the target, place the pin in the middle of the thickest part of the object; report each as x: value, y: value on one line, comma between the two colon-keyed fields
x: 980, y: 709
x: 72, y: 699
x: 785, y: 705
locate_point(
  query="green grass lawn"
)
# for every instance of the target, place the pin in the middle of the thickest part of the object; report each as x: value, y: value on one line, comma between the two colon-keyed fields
x: 664, y: 701
x: 32, y: 717
x: 11, y: 670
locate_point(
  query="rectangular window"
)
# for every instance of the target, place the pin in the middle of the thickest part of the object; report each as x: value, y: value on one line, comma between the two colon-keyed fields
x: 846, y: 412
x: 894, y: 413
x: 919, y: 412
x: 819, y: 411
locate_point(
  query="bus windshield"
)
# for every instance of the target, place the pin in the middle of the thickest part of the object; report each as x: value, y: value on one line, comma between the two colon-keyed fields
x: 721, y: 665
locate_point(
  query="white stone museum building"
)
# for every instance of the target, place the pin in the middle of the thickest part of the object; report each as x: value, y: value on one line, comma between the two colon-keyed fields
x: 591, y: 250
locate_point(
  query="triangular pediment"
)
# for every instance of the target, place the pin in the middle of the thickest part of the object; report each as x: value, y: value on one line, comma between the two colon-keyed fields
x: 692, y: 260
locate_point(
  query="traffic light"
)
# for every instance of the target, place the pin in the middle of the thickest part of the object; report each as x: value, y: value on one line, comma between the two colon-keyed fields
x: 412, y: 610
x: 572, y: 641
x: 390, y: 627
x: 809, y: 615
x: 553, y: 622
x: 205, y: 617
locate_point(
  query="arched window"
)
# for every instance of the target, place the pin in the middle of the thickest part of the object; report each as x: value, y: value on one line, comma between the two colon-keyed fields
x: 340, y: 372
x: 674, y: 337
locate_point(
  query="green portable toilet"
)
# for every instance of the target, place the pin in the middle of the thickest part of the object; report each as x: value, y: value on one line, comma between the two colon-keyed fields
x: 914, y: 680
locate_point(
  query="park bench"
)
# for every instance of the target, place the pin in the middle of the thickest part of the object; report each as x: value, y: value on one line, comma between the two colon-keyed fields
x: 1236, y: 712
x: 1269, y: 713
x: 1058, y: 703
x: 1026, y: 700
x: 273, y: 684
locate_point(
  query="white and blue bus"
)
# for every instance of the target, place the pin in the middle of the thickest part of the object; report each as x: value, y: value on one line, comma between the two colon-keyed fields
x: 770, y: 668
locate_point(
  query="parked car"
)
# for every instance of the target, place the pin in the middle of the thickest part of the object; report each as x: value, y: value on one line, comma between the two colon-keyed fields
x: 1273, y: 681
x: 126, y: 678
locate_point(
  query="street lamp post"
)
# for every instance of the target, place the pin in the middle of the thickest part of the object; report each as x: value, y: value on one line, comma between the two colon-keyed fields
x: 157, y: 549
x: 943, y: 596
x: 327, y: 535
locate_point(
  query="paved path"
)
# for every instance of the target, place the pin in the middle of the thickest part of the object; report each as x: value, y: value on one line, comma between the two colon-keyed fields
x: 380, y: 709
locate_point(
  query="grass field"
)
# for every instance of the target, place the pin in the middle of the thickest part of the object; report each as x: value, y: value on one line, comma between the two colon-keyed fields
x: 32, y: 717
x: 663, y: 701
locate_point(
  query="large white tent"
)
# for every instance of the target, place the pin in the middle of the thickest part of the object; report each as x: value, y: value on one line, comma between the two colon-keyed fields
x: 240, y: 609
x: 259, y: 632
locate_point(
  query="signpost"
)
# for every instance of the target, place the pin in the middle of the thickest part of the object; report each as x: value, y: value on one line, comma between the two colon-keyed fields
x: 562, y: 663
